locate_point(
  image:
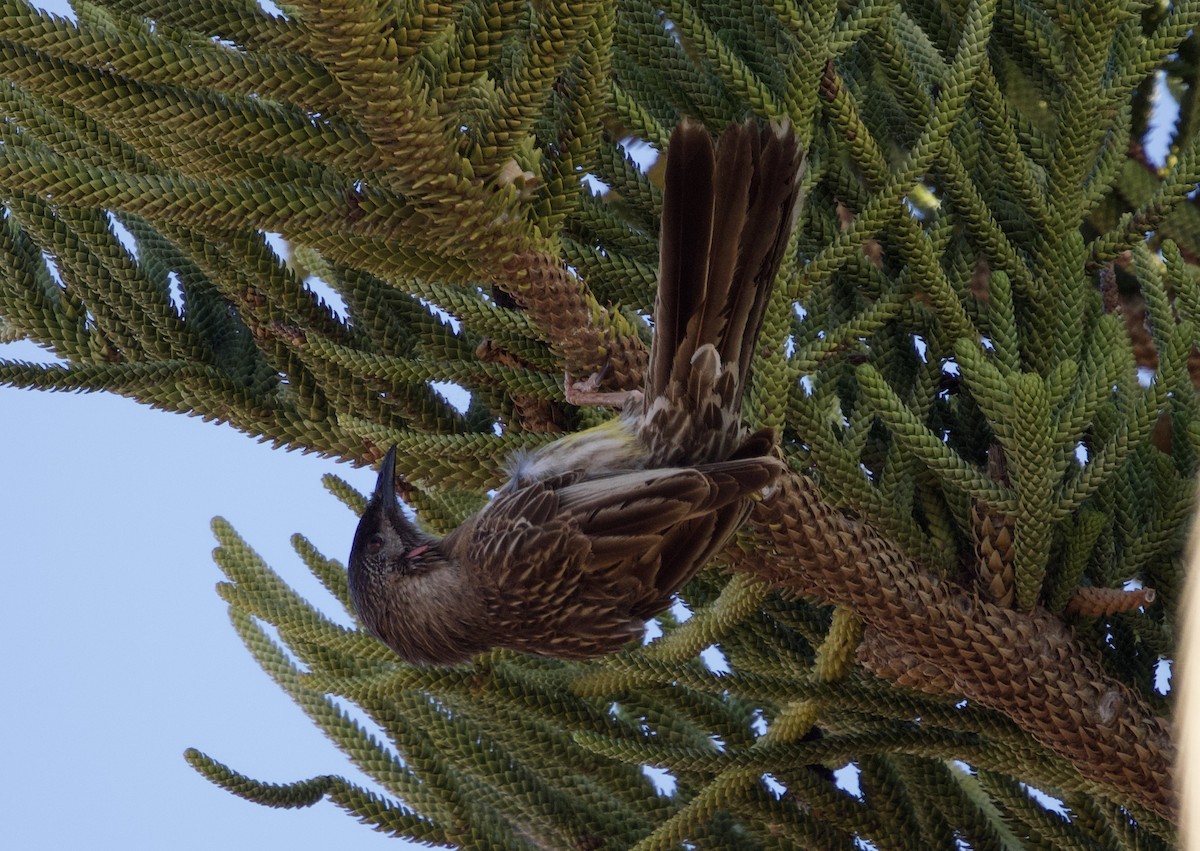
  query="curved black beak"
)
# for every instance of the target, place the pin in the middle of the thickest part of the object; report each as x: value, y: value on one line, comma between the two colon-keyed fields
x: 385, y: 485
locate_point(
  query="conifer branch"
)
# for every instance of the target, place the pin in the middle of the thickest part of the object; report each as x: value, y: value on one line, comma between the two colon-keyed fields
x: 1026, y: 665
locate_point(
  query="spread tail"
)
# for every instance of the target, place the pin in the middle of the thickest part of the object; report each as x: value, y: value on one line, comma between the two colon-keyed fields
x: 727, y: 214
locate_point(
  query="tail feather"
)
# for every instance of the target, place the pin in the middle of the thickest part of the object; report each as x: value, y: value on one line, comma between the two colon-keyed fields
x: 727, y: 214
x: 769, y: 223
x: 686, y: 240
x: 718, y: 291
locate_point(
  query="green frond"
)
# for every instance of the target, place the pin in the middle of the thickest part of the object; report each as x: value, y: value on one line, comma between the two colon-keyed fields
x: 926, y: 445
x: 1135, y: 421
x: 303, y: 793
x: 740, y: 598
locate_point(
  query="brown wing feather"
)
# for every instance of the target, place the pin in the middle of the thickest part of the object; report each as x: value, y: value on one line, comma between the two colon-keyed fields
x: 679, y: 518
x: 544, y: 591
x: 574, y: 568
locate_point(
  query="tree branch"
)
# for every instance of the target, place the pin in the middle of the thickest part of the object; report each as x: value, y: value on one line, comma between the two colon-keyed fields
x: 933, y: 635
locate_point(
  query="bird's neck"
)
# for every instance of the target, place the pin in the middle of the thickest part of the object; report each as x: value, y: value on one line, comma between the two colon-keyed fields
x: 439, y: 618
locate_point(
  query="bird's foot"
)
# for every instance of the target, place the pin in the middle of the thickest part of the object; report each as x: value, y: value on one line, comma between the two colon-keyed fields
x: 588, y: 392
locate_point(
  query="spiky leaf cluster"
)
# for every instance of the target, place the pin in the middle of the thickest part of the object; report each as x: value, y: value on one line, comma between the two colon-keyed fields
x: 979, y: 360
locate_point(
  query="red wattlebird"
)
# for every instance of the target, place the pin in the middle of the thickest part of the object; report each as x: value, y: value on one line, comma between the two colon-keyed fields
x: 596, y: 531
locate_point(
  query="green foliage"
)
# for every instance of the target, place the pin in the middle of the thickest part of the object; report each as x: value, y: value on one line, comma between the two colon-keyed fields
x: 987, y: 265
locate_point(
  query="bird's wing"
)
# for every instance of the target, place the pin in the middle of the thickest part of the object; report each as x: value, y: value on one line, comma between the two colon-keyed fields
x: 578, y: 566
x: 532, y: 564
x: 661, y: 526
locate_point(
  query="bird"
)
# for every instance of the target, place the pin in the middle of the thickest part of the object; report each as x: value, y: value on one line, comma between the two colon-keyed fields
x: 595, y: 532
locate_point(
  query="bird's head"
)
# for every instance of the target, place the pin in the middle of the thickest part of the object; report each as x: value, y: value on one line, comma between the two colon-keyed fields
x: 387, y: 546
x: 406, y: 590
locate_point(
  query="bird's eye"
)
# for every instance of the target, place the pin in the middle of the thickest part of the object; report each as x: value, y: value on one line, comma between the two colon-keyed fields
x: 374, y: 544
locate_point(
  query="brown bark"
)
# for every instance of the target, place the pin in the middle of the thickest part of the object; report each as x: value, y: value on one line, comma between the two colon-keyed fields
x: 1027, y: 665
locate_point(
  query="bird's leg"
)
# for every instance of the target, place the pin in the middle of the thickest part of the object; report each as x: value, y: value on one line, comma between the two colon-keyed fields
x: 588, y: 392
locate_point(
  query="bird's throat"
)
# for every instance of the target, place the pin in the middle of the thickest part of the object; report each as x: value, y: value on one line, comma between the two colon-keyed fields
x: 436, y: 617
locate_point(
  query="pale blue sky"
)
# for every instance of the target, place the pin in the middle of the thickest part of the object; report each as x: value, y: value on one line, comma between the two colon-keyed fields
x: 118, y: 652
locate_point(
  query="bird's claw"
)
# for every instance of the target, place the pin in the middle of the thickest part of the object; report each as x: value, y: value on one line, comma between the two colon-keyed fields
x: 588, y: 392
